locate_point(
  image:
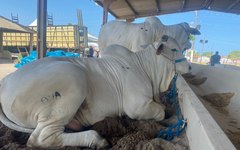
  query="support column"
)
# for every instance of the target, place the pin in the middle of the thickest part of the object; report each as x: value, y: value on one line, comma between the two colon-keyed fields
x: 106, y: 4
x: 31, y: 42
x: 191, y: 56
x: 41, y: 28
x: 1, y: 41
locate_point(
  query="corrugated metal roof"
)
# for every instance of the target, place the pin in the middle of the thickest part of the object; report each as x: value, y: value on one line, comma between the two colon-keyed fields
x: 130, y: 9
x: 7, y: 25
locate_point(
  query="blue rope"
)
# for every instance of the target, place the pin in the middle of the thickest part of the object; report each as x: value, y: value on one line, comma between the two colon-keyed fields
x: 179, y: 127
x: 174, y: 130
x: 172, y: 91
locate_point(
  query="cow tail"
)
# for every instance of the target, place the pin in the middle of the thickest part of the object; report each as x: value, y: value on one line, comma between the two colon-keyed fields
x: 10, y: 124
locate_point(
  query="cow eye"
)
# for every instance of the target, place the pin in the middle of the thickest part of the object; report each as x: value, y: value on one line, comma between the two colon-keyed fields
x: 174, y: 50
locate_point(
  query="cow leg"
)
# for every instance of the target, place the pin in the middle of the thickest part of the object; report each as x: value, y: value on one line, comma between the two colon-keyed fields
x: 49, y: 132
x: 88, y: 138
x: 58, y: 113
x: 145, y: 109
x: 52, y: 136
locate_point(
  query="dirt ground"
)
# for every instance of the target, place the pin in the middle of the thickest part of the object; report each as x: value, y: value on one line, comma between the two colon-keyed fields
x: 121, y: 133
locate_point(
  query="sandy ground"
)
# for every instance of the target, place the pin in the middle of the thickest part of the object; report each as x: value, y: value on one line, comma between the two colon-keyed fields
x: 6, y: 67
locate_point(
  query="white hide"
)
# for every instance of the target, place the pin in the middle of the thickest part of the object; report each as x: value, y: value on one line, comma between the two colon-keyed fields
x: 46, y: 95
x: 133, y: 35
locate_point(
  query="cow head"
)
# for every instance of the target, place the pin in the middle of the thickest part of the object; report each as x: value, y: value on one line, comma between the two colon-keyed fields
x: 182, y: 35
x: 170, y: 50
x: 181, y: 32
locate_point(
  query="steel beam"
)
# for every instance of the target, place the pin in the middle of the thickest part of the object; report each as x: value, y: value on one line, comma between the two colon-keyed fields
x: 131, y: 7
x: 233, y: 5
x: 41, y: 28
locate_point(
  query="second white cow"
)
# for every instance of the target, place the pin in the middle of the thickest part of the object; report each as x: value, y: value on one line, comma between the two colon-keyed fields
x: 135, y: 35
x: 47, y: 95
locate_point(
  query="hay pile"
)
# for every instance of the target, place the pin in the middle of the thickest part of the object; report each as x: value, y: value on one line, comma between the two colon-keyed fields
x: 218, y: 99
x: 234, y: 136
x: 192, y: 79
x: 122, y: 133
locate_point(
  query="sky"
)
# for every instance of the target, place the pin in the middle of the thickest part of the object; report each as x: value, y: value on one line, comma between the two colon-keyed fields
x: 222, y: 30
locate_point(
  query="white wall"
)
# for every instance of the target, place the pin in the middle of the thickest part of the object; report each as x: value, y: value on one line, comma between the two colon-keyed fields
x: 202, y: 131
x: 220, y: 80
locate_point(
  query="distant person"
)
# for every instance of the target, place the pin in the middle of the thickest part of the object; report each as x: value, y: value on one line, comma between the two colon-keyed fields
x: 91, y: 51
x: 96, y: 51
x: 215, y: 59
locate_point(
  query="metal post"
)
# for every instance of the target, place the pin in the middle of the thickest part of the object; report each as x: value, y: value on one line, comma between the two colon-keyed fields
x: 41, y: 28
x: 1, y: 40
x: 105, y: 11
x: 106, y: 4
x: 31, y: 42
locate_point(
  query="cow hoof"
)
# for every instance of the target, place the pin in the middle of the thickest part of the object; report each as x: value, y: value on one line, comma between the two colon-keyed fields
x: 31, y: 142
x: 102, y: 144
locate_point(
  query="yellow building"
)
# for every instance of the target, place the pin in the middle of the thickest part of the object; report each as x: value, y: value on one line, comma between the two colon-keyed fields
x: 61, y: 36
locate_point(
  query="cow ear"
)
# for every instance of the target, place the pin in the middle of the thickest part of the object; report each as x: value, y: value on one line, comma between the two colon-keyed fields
x: 160, y: 49
x: 194, y: 31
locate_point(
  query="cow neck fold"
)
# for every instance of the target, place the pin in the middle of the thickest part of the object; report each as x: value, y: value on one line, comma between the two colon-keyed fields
x: 157, y: 68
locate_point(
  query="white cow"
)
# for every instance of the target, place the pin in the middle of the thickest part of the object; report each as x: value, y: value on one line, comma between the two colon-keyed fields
x: 45, y: 96
x: 133, y: 36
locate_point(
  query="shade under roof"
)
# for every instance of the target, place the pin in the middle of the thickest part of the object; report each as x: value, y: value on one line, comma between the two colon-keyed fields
x: 130, y: 9
x: 7, y: 25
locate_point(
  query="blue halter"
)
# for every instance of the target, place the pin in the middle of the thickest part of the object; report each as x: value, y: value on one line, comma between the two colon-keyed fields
x: 180, y: 60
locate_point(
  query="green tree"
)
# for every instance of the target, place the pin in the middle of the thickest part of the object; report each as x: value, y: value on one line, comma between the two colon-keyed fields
x: 234, y: 55
x: 192, y: 37
x: 207, y: 54
x: 196, y: 54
